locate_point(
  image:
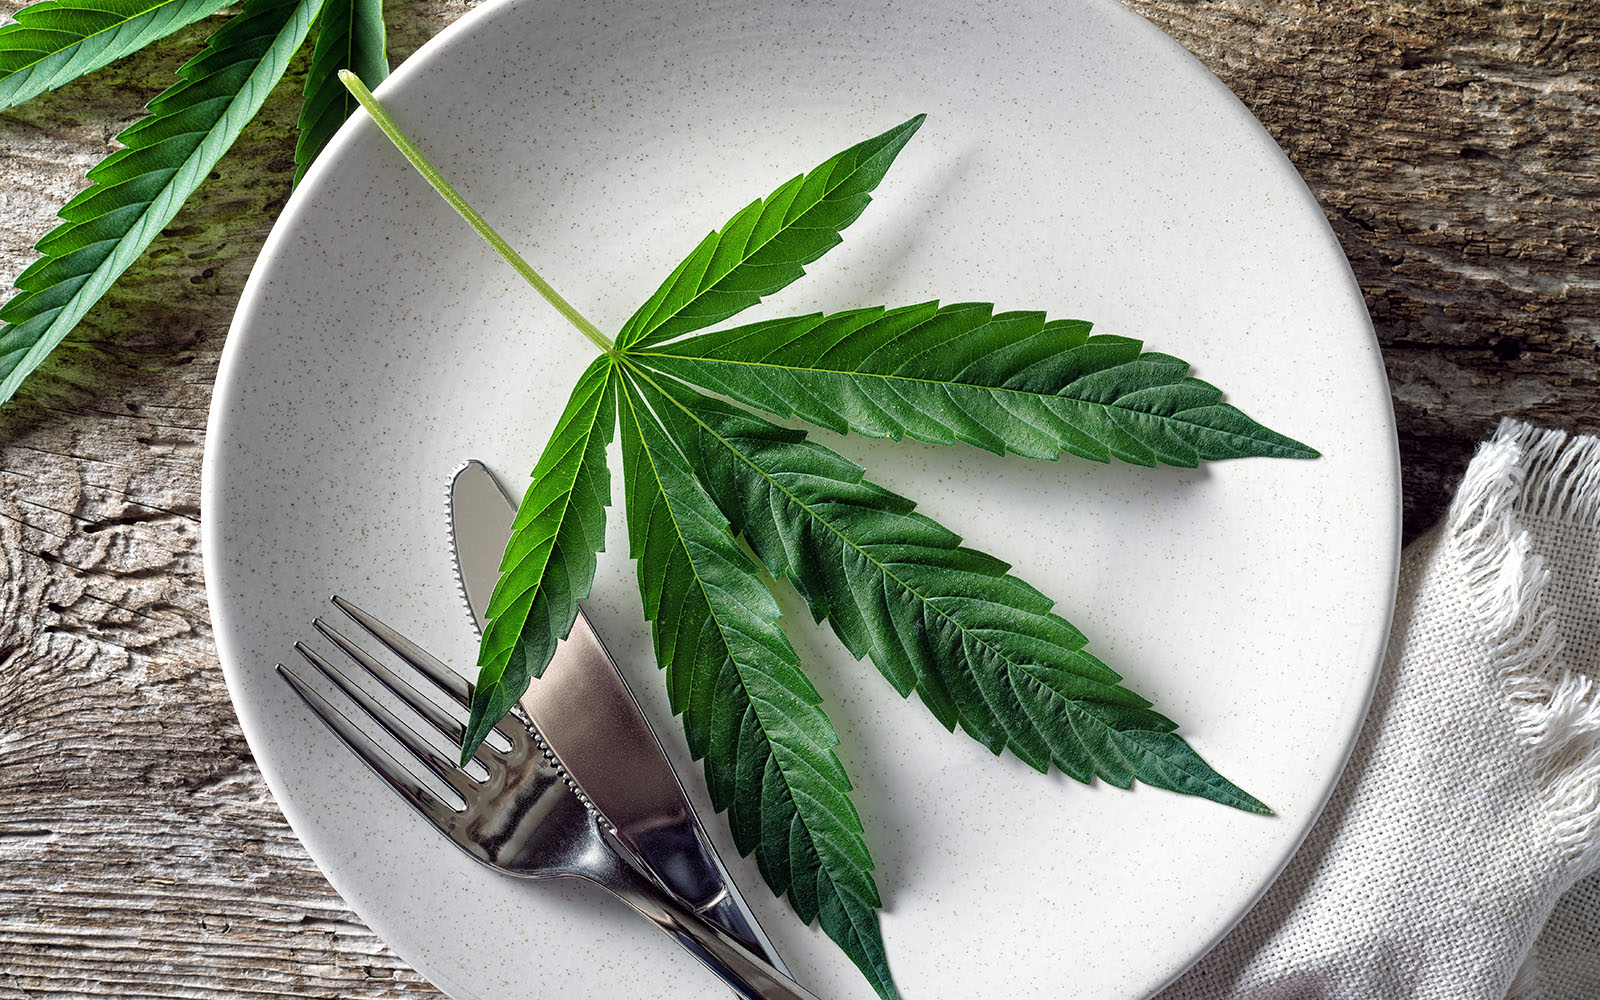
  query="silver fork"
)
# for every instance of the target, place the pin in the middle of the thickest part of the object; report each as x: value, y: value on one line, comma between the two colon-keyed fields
x: 523, y: 818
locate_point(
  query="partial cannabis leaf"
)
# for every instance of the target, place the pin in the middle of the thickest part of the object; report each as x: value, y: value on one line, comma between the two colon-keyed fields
x: 350, y: 35
x: 1008, y: 382
x: 549, y: 562
x: 55, y: 41
x: 980, y: 646
x: 748, y: 710
x: 768, y: 243
x: 137, y: 190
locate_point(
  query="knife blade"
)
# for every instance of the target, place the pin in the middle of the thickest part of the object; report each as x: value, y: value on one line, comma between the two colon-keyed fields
x: 590, y: 722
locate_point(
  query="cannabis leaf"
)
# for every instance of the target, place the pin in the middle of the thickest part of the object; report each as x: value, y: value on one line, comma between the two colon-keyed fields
x: 350, y: 36
x: 979, y: 646
x: 1008, y: 382
x: 768, y: 243
x: 55, y: 41
x: 137, y: 190
x: 762, y: 249
x: 549, y: 562
x: 748, y: 711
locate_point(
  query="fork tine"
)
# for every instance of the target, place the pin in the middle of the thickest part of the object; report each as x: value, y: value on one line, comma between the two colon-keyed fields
x: 448, y: 680
x: 439, y: 812
x: 442, y: 767
x: 446, y: 724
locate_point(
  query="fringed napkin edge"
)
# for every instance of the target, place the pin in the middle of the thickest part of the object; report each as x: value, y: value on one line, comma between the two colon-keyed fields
x: 1524, y: 472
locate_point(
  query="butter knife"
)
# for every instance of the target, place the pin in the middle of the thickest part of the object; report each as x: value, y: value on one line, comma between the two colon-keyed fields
x: 590, y: 722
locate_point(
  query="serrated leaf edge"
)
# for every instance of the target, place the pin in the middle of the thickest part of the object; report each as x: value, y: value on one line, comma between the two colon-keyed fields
x: 155, y: 212
x: 869, y: 944
x: 74, y: 59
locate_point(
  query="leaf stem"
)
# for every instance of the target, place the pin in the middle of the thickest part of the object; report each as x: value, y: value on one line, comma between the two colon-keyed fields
x: 432, y: 175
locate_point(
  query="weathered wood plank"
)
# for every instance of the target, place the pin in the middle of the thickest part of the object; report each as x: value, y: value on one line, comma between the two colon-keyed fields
x: 1450, y: 141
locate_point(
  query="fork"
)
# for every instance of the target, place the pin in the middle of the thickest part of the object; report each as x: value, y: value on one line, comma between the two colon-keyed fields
x: 524, y: 818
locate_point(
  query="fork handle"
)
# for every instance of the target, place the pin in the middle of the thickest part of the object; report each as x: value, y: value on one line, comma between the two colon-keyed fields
x: 751, y: 976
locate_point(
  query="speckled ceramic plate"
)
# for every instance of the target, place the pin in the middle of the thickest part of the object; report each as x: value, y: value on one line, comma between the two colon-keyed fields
x: 1074, y: 160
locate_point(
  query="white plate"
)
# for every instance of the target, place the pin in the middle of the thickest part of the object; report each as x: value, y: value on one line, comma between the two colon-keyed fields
x: 1074, y: 160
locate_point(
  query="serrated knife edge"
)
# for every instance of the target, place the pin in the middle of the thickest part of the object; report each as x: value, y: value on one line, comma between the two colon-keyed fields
x: 489, y: 527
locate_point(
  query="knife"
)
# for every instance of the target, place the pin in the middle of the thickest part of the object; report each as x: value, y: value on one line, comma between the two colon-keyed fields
x: 590, y: 722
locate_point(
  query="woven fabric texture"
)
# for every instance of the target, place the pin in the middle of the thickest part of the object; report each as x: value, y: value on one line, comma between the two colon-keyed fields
x: 1565, y: 964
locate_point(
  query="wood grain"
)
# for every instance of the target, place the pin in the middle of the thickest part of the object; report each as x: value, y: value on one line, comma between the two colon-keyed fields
x: 1451, y: 144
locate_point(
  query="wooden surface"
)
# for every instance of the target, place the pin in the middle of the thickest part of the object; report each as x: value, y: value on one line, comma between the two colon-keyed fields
x: 1452, y: 143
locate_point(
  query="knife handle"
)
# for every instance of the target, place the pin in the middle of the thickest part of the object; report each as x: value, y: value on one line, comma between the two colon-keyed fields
x: 751, y: 976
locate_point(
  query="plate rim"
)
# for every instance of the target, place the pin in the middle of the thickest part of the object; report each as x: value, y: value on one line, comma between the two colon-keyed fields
x: 227, y: 383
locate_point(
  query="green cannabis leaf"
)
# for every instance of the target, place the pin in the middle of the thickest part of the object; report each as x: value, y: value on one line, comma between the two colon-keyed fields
x: 767, y: 244
x: 982, y: 649
x: 748, y: 710
x: 549, y: 562
x: 978, y: 645
x: 1007, y: 383
x: 55, y: 41
x: 136, y: 191
x: 350, y: 36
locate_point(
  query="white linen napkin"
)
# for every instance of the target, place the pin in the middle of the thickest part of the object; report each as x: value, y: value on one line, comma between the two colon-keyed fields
x: 1471, y: 803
